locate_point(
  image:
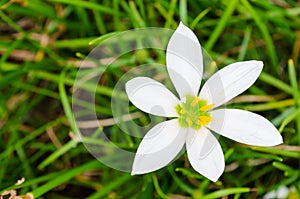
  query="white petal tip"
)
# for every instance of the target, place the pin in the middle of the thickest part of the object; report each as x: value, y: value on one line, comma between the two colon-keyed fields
x: 214, y: 178
x: 260, y: 64
x: 255, y: 63
x: 277, y: 141
x: 280, y: 141
x: 183, y: 29
x: 269, y: 144
x: 181, y: 24
x: 133, y: 174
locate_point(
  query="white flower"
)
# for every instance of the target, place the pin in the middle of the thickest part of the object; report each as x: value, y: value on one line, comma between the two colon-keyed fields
x: 280, y: 192
x: 194, y: 115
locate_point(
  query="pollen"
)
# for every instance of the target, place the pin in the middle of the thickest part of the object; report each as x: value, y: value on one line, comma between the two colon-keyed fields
x: 200, y: 122
x: 205, y: 118
x: 183, y: 111
x: 206, y: 107
x: 189, y: 121
x: 193, y: 112
x: 195, y: 101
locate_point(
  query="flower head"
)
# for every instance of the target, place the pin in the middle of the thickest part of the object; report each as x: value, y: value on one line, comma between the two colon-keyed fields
x: 196, y: 113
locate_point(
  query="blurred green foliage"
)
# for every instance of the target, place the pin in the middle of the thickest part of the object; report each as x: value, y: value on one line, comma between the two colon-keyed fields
x: 41, y: 46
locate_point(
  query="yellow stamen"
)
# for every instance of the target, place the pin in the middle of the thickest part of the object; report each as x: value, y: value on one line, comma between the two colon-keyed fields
x: 204, y: 118
x: 199, y: 122
x: 193, y: 112
x: 189, y: 121
x: 195, y: 101
x: 183, y: 111
x: 206, y: 107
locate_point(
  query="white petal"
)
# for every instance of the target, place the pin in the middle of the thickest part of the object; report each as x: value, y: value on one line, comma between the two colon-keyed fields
x: 230, y: 81
x: 159, y: 147
x: 184, y: 61
x: 244, y: 127
x: 205, y: 153
x: 151, y: 97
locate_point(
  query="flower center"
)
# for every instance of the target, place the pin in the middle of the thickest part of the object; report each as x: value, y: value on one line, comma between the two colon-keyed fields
x: 193, y: 112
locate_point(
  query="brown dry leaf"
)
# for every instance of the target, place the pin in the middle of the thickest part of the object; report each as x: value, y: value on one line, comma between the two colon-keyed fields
x: 12, y: 194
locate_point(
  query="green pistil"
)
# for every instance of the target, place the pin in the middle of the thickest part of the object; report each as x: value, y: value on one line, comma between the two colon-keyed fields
x: 193, y: 113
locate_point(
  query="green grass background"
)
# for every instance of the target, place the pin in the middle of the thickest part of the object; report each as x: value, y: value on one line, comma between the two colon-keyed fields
x: 41, y: 40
